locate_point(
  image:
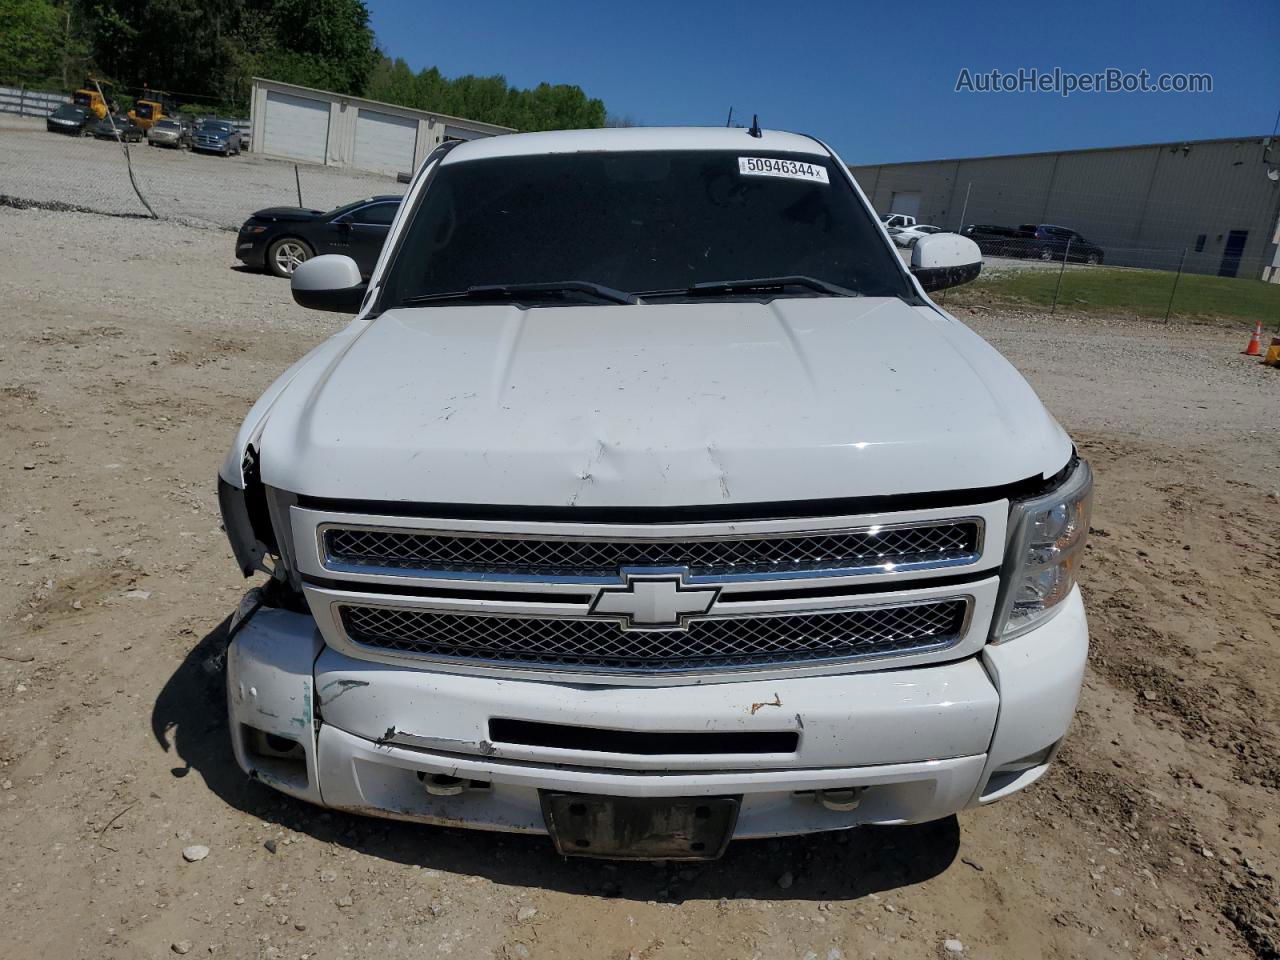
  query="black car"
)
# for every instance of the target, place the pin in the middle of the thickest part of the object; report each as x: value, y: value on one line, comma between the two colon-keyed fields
x: 118, y: 127
x: 1059, y: 243
x: 996, y: 241
x: 1042, y: 241
x: 280, y: 238
x: 70, y: 119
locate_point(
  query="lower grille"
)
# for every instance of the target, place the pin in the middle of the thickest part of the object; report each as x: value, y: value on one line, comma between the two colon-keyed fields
x: 709, y: 643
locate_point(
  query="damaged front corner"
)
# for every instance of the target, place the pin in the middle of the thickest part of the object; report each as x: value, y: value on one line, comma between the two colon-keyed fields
x: 271, y: 691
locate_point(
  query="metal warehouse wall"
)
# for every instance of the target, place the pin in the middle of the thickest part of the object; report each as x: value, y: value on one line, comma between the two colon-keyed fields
x: 1143, y: 205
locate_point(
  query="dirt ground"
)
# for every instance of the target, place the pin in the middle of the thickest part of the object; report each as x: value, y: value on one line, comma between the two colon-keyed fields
x: 200, y: 188
x: 132, y: 349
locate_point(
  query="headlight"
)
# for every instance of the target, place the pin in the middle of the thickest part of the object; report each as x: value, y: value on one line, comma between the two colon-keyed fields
x: 247, y: 518
x: 1046, y: 542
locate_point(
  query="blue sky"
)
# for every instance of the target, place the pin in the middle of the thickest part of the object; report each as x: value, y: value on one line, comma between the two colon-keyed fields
x: 877, y: 81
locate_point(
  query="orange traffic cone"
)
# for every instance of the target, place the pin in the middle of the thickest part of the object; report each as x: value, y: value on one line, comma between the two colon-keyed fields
x: 1254, y: 349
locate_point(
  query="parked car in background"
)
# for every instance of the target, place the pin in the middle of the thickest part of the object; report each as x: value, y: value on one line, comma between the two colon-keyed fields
x: 118, y: 126
x: 216, y: 136
x: 1040, y: 241
x: 281, y: 238
x: 908, y: 236
x: 70, y: 119
x: 170, y: 132
x: 995, y: 241
x: 1058, y: 243
x: 897, y: 220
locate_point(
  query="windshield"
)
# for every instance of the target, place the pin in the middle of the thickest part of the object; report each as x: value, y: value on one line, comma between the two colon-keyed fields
x: 81, y: 98
x: 211, y: 126
x: 347, y: 207
x: 640, y: 222
x: 142, y: 109
x: 167, y: 125
x: 68, y: 112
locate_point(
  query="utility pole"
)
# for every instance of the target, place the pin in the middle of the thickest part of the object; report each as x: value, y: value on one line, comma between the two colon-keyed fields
x: 66, y: 48
x: 965, y: 208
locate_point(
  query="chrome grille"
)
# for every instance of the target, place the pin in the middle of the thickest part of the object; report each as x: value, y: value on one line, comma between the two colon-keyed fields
x: 715, y: 643
x: 955, y: 541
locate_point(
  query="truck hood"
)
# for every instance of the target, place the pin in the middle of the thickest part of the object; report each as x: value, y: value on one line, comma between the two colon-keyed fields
x: 656, y: 405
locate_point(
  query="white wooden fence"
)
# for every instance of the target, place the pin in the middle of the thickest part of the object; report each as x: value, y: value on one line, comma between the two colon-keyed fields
x: 30, y: 103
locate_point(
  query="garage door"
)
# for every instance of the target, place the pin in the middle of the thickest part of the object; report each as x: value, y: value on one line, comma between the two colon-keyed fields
x: 908, y: 203
x: 295, y: 127
x: 384, y: 142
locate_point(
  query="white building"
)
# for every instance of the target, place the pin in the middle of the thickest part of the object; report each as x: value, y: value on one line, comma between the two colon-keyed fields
x: 290, y: 122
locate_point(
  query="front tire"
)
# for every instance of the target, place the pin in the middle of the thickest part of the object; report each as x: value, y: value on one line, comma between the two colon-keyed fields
x: 286, y: 255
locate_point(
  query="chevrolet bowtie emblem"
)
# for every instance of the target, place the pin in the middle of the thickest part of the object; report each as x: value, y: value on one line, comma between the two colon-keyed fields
x: 654, y: 601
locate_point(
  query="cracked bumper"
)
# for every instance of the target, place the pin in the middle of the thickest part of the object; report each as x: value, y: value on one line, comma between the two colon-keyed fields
x: 923, y: 742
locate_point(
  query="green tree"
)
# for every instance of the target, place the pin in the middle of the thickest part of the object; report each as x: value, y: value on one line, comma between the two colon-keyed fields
x: 321, y: 43
x: 489, y: 99
x: 31, y: 41
x: 207, y: 51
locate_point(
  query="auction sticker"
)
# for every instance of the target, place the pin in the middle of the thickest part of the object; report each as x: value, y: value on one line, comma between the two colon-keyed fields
x: 790, y: 169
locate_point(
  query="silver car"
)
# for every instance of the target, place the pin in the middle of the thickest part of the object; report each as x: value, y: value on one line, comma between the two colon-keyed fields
x: 170, y: 132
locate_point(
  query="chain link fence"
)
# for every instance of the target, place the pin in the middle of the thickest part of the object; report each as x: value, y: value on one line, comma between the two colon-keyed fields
x: 1173, y: 230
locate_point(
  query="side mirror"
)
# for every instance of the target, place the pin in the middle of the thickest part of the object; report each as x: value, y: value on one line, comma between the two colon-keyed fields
x: 943, y: 260
x: 329, y: 282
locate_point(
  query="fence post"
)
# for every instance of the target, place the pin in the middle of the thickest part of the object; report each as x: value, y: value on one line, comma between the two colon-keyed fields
x: 1176, y: 277
x: 964, y: 209
x: 1061, y: 270
x: 22, y: 99
x: 298, y: 181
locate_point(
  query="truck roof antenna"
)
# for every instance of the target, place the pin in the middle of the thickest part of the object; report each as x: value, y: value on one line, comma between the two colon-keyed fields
x: 755, y: 127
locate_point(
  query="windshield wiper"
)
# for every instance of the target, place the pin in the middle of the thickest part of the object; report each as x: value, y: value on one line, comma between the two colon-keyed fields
x: 715, y: 288
x: 521, y: 291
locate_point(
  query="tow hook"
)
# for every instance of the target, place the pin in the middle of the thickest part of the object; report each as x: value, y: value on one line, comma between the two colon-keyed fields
x: 841, y: 800
x: 440, y: 785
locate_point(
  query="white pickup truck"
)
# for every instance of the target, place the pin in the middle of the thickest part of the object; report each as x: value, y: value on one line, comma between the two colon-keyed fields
x: 648, y: 501
x: 901, y: 220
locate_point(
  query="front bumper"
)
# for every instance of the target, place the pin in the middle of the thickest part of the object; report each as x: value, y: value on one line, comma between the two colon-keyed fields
x: 920, y: 743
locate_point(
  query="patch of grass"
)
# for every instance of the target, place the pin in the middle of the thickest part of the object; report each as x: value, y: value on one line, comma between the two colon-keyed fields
x: 1139, y: 293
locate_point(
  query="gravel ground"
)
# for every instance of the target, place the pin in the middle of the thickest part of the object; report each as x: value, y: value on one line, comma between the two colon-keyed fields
x: 198, y: 188
x: 1155, y: 835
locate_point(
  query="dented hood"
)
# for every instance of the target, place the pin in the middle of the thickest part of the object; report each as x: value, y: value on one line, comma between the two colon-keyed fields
x: 655, y: 405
